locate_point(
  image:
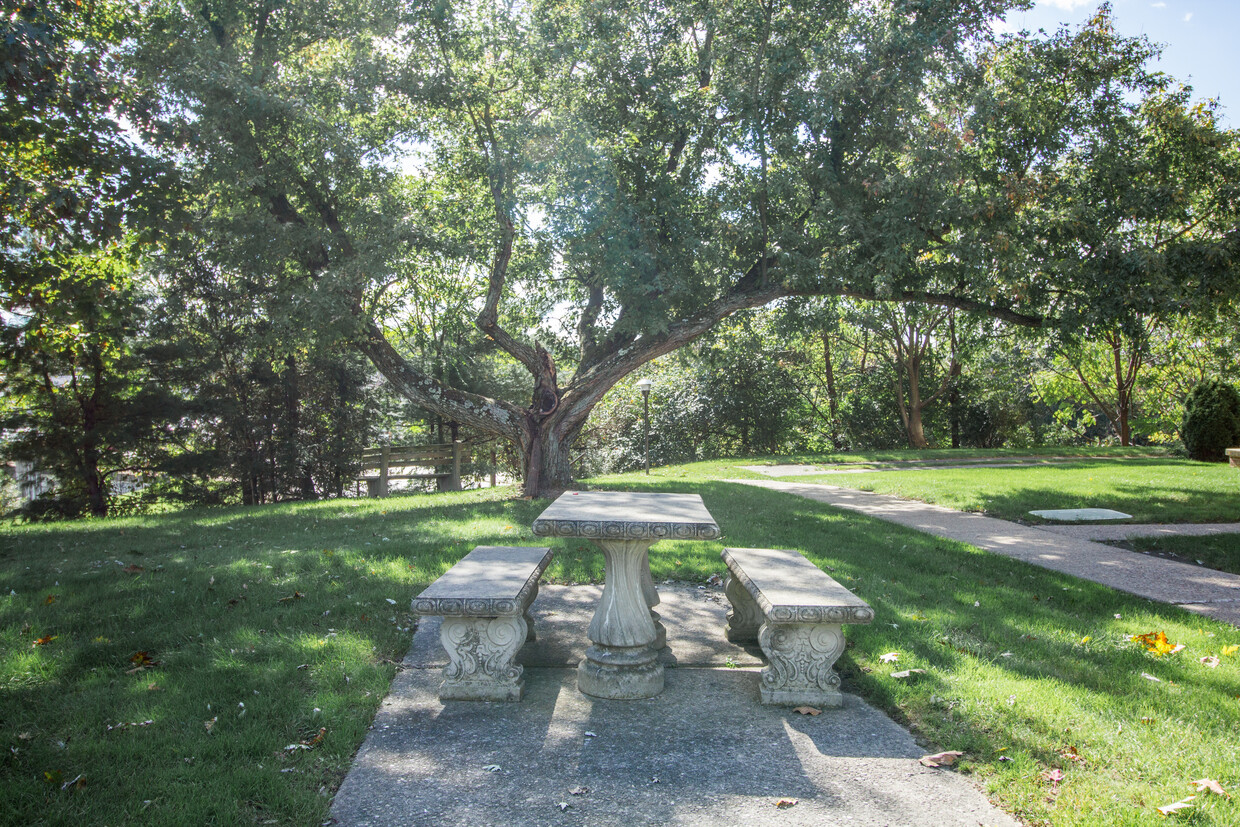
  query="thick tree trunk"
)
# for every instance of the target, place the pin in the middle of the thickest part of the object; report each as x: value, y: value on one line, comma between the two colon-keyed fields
x: 913, y: 423
x: 96, y: 492
x: 916, y: 432
x: 547, y: 469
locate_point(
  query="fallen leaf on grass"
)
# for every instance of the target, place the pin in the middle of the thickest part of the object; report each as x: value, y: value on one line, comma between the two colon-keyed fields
x: 141, y: 660
x: 785, y: 803
x: 1209, y: 785
x: 1054, y: 776
x: 43, y: 641
x: 51, y: 598
x: 1211, y: 661
x: 128, y: 725
x: 1157, y: 644
x: 890, y: 657
x: 291, y: 597
x: 1071, y: 754
x: 1182, y: 804
x: 309, y: 744
x: 1228, y: 651
x: 908, y: 673
x: 210, y: 724
x: 941, y: 759
x: 132, y: 569
x: 808, y: 710
x: 53, y: 776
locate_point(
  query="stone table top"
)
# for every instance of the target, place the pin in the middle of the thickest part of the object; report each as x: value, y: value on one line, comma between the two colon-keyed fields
x: 623, y: 515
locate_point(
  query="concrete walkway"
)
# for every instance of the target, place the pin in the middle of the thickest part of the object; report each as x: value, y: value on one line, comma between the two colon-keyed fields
x: 1204, y: 591
x: 704, y: 752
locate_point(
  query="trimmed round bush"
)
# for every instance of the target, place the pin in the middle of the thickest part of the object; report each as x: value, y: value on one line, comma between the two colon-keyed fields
x: 1211, y: 421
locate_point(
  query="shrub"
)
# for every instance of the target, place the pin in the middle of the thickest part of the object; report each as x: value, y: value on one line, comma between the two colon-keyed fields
x: 1211, y: 420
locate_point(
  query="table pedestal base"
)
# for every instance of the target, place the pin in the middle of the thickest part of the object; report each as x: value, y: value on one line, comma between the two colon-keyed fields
x: 621, y: 674
x: 622, y: 663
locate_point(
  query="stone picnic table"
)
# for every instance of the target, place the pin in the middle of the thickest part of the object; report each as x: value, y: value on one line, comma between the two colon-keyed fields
x: 626, y: 634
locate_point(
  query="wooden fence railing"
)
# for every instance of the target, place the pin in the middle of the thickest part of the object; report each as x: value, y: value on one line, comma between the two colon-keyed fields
x: 393, y: 462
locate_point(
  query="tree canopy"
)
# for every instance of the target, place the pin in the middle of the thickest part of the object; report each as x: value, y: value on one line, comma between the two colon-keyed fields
x: 572, y: 189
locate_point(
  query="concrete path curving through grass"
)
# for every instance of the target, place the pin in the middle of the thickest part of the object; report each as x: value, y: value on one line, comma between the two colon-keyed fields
x: 1203, y: 591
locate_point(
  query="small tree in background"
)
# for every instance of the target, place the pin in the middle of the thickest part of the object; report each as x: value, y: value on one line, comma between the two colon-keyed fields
x: 1211, y: 421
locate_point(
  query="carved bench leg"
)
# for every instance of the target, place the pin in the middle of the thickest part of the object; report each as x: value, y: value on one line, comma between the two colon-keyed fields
x: 801, y: 658
x: 480, y: 658
x: 745, y: 616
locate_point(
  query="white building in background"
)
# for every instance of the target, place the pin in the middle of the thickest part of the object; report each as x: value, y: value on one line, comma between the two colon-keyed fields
x: 33, y: 483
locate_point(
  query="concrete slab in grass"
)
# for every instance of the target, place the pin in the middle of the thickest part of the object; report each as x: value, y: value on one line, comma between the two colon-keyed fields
x: 704, y: 752
x: 1068, y: 515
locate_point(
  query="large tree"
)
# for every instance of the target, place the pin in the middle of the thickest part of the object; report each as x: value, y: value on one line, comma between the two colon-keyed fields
x: 633, y: 172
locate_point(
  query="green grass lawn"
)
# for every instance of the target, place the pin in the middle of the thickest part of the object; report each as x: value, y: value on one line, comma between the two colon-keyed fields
x: 1152, y: 490
x: 274, y: 624
x: 1216, y: 551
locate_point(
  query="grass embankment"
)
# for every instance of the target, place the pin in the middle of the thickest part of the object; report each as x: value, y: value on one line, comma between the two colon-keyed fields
x: 1152, y: 490
x: 1021, y: 663
x: 1215, y: 551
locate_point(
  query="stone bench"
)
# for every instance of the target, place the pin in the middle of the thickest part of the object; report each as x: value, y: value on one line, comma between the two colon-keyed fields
x: 1233, y: 457
x: 794, y: 611
x: 484, y: 601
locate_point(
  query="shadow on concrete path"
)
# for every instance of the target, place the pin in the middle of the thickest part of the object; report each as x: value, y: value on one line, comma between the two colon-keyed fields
x: 704, y: 752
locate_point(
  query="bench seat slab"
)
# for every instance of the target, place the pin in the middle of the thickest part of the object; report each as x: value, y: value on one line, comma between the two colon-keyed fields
x: 795, y: 612
x: 484, y: 601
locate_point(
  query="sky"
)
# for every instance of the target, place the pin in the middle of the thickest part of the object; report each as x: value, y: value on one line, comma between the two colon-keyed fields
x: 1198, y: 36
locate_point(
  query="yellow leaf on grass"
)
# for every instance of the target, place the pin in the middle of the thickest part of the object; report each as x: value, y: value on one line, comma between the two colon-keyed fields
x: 1228, y: 651
x: 1157, y: 643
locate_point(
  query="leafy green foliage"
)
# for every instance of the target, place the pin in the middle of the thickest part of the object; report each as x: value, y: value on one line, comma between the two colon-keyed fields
x: 1211, y: 420
x: 76, y: 374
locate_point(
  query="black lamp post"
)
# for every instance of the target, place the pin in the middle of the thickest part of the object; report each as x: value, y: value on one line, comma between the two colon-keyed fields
x: 643, y: 385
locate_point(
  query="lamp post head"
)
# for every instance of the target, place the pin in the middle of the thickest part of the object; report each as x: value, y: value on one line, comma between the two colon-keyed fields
x: 644, y: 386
